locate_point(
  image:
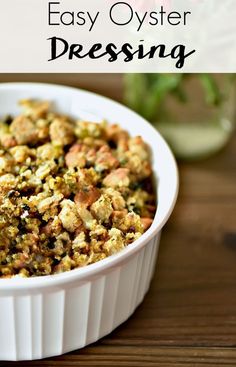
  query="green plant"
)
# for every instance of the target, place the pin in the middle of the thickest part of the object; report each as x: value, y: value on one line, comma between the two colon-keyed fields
x: 146, y: 93
x: 149, y: 95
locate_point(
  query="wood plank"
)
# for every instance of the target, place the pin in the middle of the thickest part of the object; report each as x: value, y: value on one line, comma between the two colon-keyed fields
x: 140, y: 356
x: 110, y: 85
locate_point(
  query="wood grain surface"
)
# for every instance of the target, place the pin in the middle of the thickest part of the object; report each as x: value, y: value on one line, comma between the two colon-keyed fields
x: 188, y: 317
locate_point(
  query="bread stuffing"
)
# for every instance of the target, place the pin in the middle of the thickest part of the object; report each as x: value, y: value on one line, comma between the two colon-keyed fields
x: 72, y: 192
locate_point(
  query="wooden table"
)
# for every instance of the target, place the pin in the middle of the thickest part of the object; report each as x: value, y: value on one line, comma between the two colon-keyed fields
x: 189, y: 316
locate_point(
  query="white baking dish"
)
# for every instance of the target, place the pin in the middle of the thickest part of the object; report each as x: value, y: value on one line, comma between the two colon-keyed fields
x: 48, y: 316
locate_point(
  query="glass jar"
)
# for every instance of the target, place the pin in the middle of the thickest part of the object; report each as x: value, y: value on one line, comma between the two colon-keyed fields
x: 194, y: 112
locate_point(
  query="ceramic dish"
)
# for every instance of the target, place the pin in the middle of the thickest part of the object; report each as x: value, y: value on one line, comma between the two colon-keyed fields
x: 47, y: 316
